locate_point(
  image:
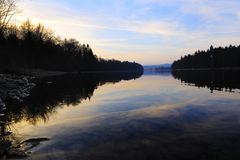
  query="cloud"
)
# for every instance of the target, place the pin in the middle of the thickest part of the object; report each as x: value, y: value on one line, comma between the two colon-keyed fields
x: 161, y: 29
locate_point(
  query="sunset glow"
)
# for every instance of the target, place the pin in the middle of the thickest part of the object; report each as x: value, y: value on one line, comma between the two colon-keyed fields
x: 146, y: 31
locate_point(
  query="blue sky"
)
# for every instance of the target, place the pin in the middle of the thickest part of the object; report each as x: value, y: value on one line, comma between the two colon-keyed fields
x: 145, y: 31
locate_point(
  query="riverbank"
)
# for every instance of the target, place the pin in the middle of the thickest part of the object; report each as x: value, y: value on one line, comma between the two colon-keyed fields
x: 38, y: 73
x: 14, y: 88
x: 208, y: 69
x: 17, y: 85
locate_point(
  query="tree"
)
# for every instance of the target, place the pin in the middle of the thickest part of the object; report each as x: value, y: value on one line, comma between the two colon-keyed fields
x: 211, y: 48
x: 8, y: 9
x: 35, y: 47
x: 212, y: 58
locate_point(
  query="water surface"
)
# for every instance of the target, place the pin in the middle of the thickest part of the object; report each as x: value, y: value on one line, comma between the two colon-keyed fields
x: 152, y: 117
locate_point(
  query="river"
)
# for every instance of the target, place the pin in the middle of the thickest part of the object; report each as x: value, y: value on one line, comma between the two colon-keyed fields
x: 151, y: 116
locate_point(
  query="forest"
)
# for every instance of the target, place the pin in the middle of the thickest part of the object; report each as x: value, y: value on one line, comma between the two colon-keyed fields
x: 29, y: 46
x: 215, y: 58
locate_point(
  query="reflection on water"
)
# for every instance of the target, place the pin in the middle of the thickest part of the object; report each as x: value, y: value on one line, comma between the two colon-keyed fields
x: 152, y: 117
x: 214, y: 80
x: 50, y: 94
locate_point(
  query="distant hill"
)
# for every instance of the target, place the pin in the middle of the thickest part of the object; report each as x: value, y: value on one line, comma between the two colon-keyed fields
x: 152, y: 67
x: 156, y: 68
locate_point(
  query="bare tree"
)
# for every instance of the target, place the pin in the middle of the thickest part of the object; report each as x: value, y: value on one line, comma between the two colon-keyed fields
x: 8, y: 9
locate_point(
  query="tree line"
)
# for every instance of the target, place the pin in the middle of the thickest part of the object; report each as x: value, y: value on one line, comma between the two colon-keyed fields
x: 31, y: 46
x: 215, y: 58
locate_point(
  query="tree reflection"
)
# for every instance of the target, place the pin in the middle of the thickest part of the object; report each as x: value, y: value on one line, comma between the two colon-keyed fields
x: 52, y: 93
x: 220, y: 80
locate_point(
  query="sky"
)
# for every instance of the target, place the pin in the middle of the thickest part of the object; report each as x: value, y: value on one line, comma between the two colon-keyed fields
x: 145, y: 31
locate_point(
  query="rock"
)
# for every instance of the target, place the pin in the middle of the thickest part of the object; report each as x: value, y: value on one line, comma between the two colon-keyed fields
x: 11, y: 85
x: 5, y: 134
x: 25, y: 80
x: 14, y: 87
x: 13, y: 96
x: 15, y: 153
x: 36, y: 140
x: 2, y: 105
x: 2, y: 109
x: 31, y: 143
x: 20, y: 82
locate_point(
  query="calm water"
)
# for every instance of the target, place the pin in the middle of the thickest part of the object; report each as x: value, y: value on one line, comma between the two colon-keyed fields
x: 130, y: 117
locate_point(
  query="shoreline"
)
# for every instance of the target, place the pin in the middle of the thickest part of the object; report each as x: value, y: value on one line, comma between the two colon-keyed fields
x: 15, y: 87
x: 209, y: 69
x: 40, y: 73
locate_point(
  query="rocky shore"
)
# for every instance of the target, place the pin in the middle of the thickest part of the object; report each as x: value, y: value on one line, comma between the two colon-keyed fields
x: 14, y: 88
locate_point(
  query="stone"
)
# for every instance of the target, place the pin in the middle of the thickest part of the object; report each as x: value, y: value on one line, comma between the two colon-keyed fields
x: 15, y: 153
x: 14, y: 87
x: 2, y: 105
x: 5, y: 134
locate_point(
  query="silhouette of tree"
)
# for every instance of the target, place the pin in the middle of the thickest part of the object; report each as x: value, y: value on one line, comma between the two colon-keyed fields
x: 212, y: 58
x: 8, y: 9
x: 35, y: 47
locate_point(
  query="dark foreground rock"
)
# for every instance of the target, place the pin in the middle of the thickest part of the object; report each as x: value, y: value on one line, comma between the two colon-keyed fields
x: 14, y: 88
x: 21, y: 150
